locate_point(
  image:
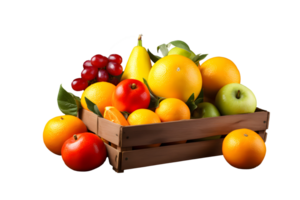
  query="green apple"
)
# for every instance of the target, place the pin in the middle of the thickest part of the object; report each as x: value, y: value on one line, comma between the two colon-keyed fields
x: 205, y: 110
x: 235, y: 98
x: 179, y: 51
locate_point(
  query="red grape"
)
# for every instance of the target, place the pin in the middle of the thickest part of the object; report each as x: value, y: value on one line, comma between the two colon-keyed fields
x: 89, y: 73
x: 115, y: 58
x: 99, y: 61
x: 79, y: 84
x: 87, y: 64
x: 102, y: 75
x: 114, y: 68
x: 114, y: 81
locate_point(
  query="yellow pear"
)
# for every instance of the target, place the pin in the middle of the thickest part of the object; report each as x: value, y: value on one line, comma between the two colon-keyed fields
x: 138, y: 65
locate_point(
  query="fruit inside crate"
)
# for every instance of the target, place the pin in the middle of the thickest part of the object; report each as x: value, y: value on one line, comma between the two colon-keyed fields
x: 123, y: 156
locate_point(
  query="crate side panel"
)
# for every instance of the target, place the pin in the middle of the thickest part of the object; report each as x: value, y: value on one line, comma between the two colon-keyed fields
x: 191, y: 129
x: 89, y: 119
x: 109, y: 131
x: 167, y: 154
x: 113, y: 156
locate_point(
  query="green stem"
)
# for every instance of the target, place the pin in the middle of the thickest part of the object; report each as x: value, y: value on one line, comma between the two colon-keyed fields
x: 140, y: 40
x: 75, y: 137
x: 238, y: 94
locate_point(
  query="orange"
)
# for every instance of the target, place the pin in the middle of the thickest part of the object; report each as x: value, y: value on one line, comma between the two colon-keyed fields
x: 172, y: 109
x: 143, y: 116
x: 112, y: 114
x: 244, y: 149
x: 175, y: 76
x: 217, y: 72
x: 100, y: 94
x: 59, y: 129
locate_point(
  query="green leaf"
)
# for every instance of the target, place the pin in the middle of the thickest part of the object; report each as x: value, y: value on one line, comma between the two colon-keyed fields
x: 68, y: 103
x: 125, y: 114
x: 163, y: 48
x: 199, y: 100
x: 97, y: 112
x: 151, y: 93
x: 77, y: 100
x: 200, y: 95
x: 153, y: 57
x: 191, y: 98
x: 154, y: 100
x: 190, y: 103
x: 93, y: 107
x: 199, y: 57
x: 66, y: 108
x: 180, y: 44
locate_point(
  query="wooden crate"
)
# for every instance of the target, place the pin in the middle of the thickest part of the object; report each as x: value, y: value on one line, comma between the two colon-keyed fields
x: 123, y: 159
x: 123, y: 139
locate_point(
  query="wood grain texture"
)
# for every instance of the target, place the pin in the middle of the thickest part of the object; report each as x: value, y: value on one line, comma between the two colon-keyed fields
x: 173, y: 153
x: 113, y: 156
x: 109, y: 131
x: 191, y: 129
x: 89, y: 119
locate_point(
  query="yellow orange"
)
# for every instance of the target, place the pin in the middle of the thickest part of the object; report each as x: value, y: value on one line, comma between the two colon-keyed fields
x: 59, y: 129
x: 244, y: 149
x: 143, y: 116
x: 175, y: 76
x: 100, y: 94
x: 217, y: 72
x: 172, y: 109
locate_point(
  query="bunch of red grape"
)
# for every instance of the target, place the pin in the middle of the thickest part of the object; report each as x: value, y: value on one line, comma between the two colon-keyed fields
x: 99, y: 68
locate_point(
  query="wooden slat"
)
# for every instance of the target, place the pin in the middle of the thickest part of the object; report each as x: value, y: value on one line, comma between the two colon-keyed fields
x: 173, y: 153
x: 109, y: 131
x: 89, y: 119
x: 113, y: 156
x: 191, y: 129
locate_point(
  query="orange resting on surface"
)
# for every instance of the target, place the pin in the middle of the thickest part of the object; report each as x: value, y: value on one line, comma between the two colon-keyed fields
x: 217, y: 72
x: 59, y: 129
x: 140, y: 117
x: 244, y: 149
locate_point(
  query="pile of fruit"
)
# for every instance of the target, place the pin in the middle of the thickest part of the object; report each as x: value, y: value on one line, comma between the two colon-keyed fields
x: 176, y: 87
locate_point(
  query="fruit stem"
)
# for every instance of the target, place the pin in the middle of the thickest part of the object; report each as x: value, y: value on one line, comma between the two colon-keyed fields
x: 238, y: 94
x: 140, y: 40
x: 133, y: 86
x: 75, y: 137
